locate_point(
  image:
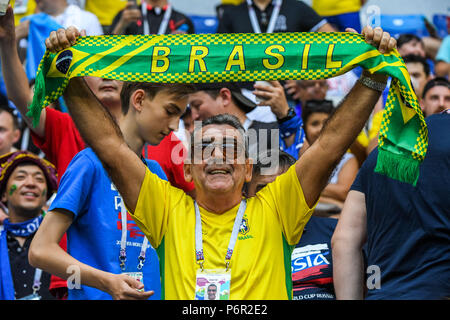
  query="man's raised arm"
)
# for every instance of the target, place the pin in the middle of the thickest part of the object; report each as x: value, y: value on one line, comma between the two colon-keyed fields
x: 98, y: 129
x: 315, y: 166
x: 103, y: 135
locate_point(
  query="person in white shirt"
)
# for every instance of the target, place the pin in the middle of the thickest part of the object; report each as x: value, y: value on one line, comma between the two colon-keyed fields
x: 64, y: 14
x: 71, y: 15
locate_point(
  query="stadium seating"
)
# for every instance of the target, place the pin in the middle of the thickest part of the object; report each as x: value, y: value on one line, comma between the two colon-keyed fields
x: 204, y: 24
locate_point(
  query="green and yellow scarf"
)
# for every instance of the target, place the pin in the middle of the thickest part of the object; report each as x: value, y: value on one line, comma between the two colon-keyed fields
x: 200, y: 58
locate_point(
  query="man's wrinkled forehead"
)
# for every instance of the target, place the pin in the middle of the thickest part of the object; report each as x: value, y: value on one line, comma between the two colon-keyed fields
x: 219, y: 132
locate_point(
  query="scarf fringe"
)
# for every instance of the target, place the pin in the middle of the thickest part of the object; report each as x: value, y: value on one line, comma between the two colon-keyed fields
x: 397, y: 167
x: 35, y: 108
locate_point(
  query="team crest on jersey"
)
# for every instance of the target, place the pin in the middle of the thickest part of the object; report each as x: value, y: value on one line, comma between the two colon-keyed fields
x: 244, y: 227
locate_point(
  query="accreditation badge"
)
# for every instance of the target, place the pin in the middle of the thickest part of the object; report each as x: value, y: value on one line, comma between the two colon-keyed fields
x: 139, y: 276
x: 213, y: 284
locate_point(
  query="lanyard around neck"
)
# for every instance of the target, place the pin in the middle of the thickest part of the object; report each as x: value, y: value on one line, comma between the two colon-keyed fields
x: 234, y: 233
x: 123, y: 240
x: 37, y: 280
x: 273, y: 17
x: 165, y: 21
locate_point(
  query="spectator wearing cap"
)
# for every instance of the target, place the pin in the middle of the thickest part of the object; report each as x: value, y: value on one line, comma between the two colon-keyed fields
x: 436, y: 96
x: 211, y: 99
x: 26, y: 183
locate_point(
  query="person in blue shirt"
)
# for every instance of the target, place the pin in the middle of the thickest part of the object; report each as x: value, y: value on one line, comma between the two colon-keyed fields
x: 108, y: 255
x: 405, y: 229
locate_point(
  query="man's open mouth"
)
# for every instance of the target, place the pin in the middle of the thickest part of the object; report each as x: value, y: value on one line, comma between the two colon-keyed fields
x: 219, y: 171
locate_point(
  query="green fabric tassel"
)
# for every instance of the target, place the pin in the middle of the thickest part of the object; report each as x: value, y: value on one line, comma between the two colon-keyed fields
x: 35, y: 108
x: 397, y: 167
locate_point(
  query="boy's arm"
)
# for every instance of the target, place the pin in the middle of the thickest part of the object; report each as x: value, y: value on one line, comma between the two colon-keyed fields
x: 46, y: 254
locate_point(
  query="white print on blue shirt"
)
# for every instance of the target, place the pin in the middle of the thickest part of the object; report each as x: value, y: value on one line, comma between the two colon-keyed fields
x: 310, y: 256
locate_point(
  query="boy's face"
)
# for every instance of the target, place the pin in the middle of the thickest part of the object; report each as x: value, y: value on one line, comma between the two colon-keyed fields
x: 314, y: 125
x: 158, y: 117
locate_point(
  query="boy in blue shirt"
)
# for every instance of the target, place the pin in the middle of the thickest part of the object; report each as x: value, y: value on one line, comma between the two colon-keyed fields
x: 105, y: 246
